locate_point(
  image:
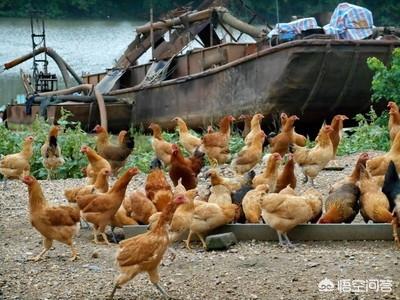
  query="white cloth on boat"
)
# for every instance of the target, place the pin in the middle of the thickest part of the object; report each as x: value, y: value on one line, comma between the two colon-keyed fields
x: 294, y: 27
x: 350, y: 22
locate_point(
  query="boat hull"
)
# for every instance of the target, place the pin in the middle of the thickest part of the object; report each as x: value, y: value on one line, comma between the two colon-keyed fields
x: 314, y: 79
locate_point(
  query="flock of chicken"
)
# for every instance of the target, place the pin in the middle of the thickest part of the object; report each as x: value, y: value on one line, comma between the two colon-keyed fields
x: 175, y: 212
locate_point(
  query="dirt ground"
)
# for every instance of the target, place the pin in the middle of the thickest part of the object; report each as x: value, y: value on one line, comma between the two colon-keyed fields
x: 249, y: 270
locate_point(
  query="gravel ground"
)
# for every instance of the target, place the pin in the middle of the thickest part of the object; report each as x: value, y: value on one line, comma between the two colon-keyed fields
x: 249, y: 270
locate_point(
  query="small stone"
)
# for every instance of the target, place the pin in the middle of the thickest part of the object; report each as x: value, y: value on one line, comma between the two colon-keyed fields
x: 253, y: 296
x: 95, y: 254
x: 220, y: 241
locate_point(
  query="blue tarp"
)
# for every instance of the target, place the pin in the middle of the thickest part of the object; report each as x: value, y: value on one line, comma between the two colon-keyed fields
x: 350, y: 22
x: 294, y: 27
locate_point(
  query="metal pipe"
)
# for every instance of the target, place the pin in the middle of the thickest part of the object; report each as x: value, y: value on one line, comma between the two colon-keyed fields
x: 227, y: 18
x: 73, y: 98
x: 62, y: 65
x: 193, y: 17
x: 79, y: 88
x: 88, y: 88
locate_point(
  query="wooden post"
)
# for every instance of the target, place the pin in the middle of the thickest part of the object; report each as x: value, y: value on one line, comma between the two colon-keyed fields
x: 151, y: 31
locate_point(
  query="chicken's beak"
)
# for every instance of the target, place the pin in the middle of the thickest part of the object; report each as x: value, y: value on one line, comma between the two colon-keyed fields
x: 345, y: 118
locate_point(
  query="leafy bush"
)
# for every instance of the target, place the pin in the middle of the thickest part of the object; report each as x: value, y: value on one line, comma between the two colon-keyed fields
x: 386, y: 80
x: 368, y: 135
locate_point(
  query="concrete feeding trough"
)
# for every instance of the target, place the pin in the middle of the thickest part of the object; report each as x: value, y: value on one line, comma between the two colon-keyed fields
x: 305, y: 232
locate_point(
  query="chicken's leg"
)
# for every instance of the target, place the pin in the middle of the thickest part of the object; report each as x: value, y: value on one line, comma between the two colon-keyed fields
x: 113, y: 292
x: 188, y: 240
x: 155, y: 278
x: 395, y: 221
x: 113, y: 235
x: 47, y: 245
x: 288, y: 242
x: 48, y: 174
x: 202, y: 240
x: 105, y: 238
x: 74, y: 252
x: 280, y: 239
x: 4, y: 183
x: 173, y: 253
x: 95, y: 240
x: 305, y: 179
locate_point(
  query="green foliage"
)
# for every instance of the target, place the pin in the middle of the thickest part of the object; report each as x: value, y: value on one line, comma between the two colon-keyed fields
x: 386, y: 80
x: 368, y: 135
x: 70, y: 142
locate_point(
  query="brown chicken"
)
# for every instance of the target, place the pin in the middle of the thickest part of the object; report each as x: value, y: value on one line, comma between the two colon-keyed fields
x: 207, y: 217
x: 121, y: 219
x: 374, y: 203
x: 354, y: 177
x: 342, y: 203
x: 13, y: 166
x: 252, y: 203
x: 139, y: 207
x: 219, y: 194
x: 250, y: 155
x: 162, y: 198
x: 216, y: 145
x: 270, y: 174
x: 394, y: 120
x: 298, y: 139
x: 144, y: 252
x: 313, y: 160
x: 181, y: 220
x: 100, y: 208
x: 51, y: 152
x: 378, y: 165
x: 162, y: 148
x: 336, y: 134
x: 116, y: 155
x: 100, y: 186
x: 232, y: 184
x: 156, y: 180
x: 187, y: 140
x: 247, y: 124
x: 96, y: 164
x: 286, y: 176
x: 283, y: 212
x: 280, y: 143
x: 58, y: 223
x: 255, y: 129
x: 181, y: 169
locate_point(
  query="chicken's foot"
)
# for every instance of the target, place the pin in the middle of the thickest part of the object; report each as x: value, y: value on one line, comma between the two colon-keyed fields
x: 74, y: 252
x: 202, y: 241
x: 213, y: 162
x: 173, y: 253
x: 113, y: 235
x: 288, y: 242
x: 312, y: 182
x: 113, y: 291
x: 281, y: 242
x: 165, y: 294
x: 47, y: 245
x: 105, y: 238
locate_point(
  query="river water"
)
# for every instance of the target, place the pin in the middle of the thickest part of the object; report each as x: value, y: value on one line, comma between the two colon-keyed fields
x: 87, y: 46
